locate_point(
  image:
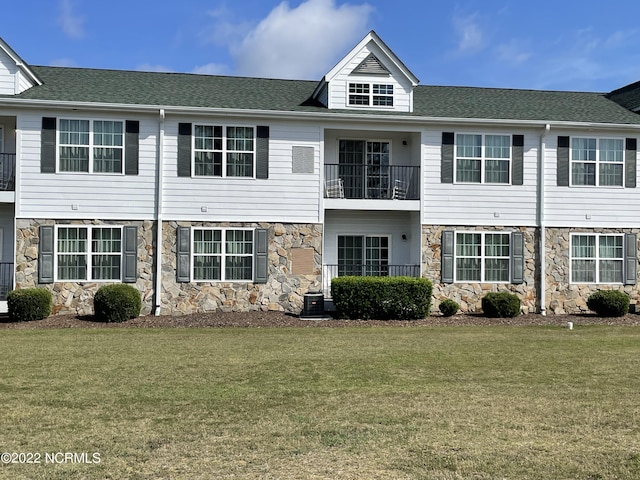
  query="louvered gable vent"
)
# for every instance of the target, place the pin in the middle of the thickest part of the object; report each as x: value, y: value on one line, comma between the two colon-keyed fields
x: 371, y: 66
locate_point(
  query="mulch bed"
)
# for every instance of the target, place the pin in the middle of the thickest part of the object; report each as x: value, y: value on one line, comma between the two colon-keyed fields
x: 279, y: 319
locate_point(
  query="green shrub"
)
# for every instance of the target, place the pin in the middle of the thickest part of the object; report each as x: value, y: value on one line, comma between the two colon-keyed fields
x: 29, y: 304
x: 448, y: 307
x: 609, y: 303
x: 117, y: 303
x: 384, y: 298
x: 501, y: 305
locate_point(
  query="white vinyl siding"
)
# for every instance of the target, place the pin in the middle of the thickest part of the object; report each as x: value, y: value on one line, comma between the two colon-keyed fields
x: 597, y: 258
x: 478, y: 204
x: 585, y: 206
x: 285, y: 197
x: 78, y: 196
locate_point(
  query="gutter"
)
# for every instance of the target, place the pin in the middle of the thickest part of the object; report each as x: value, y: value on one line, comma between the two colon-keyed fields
x: 159, y: 194
x: 542, y: 221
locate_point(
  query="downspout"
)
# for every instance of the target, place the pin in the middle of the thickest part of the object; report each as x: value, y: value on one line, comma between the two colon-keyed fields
x: 541, y: 221
x: 159, y: 194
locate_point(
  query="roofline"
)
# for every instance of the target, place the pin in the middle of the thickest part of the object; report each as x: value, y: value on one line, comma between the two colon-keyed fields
x: 21, y: 64
x: 373, y: 36
x: 297, y: 115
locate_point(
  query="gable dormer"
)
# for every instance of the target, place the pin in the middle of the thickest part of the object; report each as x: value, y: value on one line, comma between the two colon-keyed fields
x: 369, y: 77
x: 15, y: 74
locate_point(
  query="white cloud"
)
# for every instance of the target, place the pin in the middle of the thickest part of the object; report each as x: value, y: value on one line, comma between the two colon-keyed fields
x: 300, y: 42
x: 212, y: 69
x: 71, y: 23
x: 63, y: 62
x: 148, y: 67
x: 512, y: 53
x: 470, y: 36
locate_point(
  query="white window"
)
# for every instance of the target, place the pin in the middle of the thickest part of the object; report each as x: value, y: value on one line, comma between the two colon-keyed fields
x: 597, y: 161
x: 597, y: 258
x: 363, y: 255
x: 224, y: 151
x: 482, y: 257
x: 222, y: 255
x: 88, y: 253
x: 92, y: 146
x: 371, y: 94
x: 483, y: 158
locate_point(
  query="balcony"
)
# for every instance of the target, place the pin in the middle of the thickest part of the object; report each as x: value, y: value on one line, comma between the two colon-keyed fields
x: 377, y: 182
x: 6, y: 279
x: 7, y: 172
x: 329, y: 272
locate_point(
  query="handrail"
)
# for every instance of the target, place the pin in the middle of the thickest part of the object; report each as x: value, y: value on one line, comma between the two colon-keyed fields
x: 374, y: 181
x: 7, y: 171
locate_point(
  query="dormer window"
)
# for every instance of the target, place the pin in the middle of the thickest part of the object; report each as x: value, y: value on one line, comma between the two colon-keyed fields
x: 371, y: 94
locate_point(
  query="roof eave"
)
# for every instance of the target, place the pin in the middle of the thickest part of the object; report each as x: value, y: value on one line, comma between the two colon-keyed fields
x: 322, y: 116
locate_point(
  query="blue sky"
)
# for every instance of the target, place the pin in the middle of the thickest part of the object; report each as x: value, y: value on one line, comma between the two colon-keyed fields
x: 559, y: 45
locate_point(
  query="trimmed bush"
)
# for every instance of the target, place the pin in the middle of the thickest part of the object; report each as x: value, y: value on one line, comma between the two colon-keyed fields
x: 29, y: 304
x: 501, y: 305
x: 448, y: 307
x: 117, y: 303
x: 609, y: 303
x: 383, y: 298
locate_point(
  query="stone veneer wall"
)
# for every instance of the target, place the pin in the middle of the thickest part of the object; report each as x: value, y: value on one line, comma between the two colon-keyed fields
x: 562, y: 296
x: 469, y: 295
x: 77, y: 297
x: 282, y: 292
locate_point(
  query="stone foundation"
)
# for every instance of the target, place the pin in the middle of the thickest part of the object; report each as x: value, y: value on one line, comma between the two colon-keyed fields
x: 283, y: 291
x: 562, y: 296
x: 469, y: 295
x: 77, y: 297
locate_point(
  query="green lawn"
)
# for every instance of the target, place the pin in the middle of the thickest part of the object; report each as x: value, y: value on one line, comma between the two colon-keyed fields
x: 320, y: 403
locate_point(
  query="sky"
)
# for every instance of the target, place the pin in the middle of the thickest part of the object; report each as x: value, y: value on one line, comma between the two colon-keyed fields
x: 550, y: 45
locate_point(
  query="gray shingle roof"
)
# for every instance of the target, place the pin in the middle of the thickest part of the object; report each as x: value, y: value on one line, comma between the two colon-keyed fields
x: 188, y: 90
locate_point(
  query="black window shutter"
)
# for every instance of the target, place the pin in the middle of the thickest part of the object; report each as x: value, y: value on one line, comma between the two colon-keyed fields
x: 447, y: 260
x: 183, y: 251
x: 45, y: 255
x: 262, y: 152
x: 631, y: 147
x: 562, y: 174
x: 48, y: 145
x: 261, y: 256
x: 517, y: 257
x: 517, y: 160
x: 131, y: 147
x: 446, y: 160
x: 130, y: 254
x: 630, y: 259
x: 184, y: 149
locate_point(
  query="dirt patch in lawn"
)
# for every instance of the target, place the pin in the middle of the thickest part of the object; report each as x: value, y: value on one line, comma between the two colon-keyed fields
x: 280, y: 319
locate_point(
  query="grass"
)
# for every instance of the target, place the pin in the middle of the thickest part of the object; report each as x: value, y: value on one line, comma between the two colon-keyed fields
x: 353, y: 403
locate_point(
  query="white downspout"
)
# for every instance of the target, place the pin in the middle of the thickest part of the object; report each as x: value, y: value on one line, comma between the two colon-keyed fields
x: 541, y: 221
x: 159, y: 194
